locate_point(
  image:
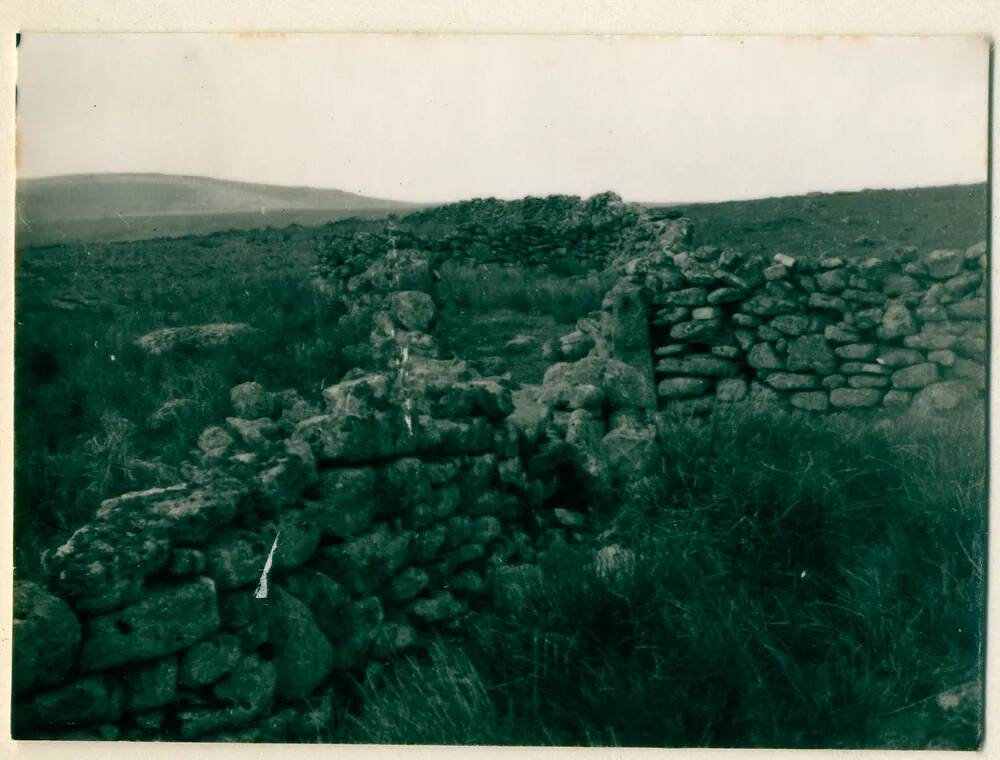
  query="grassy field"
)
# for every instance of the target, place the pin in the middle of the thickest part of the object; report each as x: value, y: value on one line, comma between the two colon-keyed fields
x: 848, y: 224
x: 796, y: 581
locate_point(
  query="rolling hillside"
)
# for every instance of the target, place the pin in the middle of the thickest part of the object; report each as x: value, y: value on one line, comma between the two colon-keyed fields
x: 118, y: 207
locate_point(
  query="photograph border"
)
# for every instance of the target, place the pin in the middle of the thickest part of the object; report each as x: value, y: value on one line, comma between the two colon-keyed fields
x: 916, y: 17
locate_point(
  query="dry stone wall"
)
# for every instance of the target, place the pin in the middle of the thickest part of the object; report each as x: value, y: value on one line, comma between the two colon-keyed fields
x: 565, y: 234
x: 871, y: 334
x: 307, y: 543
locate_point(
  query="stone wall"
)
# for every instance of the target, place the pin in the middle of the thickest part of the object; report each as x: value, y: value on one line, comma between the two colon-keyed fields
x: 817, y: 336
x: 306, y: 544
x: 565, y: 234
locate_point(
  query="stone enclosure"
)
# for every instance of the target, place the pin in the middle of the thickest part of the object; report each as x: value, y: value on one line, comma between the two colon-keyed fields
x: 309, y: 541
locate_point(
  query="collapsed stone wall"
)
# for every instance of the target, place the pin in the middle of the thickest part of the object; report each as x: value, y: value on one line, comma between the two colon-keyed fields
x: 565, y: 234
x: 306, y: 544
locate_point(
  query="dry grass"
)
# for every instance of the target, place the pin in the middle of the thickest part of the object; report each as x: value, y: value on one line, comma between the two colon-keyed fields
x: 488, y: 287
x: 797, y: 583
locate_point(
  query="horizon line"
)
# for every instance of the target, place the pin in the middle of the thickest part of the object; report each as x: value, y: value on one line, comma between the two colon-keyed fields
x: 362, y: 195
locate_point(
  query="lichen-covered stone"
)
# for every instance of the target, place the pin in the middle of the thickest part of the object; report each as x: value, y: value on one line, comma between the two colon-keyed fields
x: 868, y: 381
x: 942, y: 264
x: 863, y: 368
x: 199, y: 337
x: 855, y: 398
x: 468, y: 582
x: 208, y: 660
x: 358, y: 438
x: 896, y: 399
x: 840, y: 334
x: 941, y: 397
x: 700, y: 365
x: 971, y: 309
x: 151, y: 685
x: 215, y: 442
x: 897, y: 322
x: 345, y: 504
x: 164, y: 622
x: 236, y: 557
x: 726, y: 295
x: 627, y: 387
x: 303, y: 656
x: 485, y: 398
x: 83, y: 702
x: 930, y: 341
x: 791, y: 324
x: 900, y: 284
x: 762, y: 356
x: 790, y: 381
x: 826, y: 302
x: 251, y: 401
x: 244, y: 694
x: 324, y: 597
x: 834, y: 381
x: 630, y: 450
x: 900, y: 357
x: 365, y: 562
x: 730, y: 390
x: 962, y: 285
x: 811, y: 352
x: 916, y: 376
x: 695, y: 330
x: 298, y: 534
x: 185, y: 561
x: 103, y: 564
x: 684, y: 297
x: 682, y: 387
x: 46, y: 637
x: 832, y: 280
x: 413, y: 309
x: 255, y: 434
x: 358, y: 395
x: 858, y: 352
x: 671, y: 315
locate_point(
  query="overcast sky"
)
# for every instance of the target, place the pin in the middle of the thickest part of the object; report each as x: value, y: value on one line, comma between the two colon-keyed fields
x: 442, y: 118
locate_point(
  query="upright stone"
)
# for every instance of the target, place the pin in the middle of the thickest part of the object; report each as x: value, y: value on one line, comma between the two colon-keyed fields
x: 625, y: 327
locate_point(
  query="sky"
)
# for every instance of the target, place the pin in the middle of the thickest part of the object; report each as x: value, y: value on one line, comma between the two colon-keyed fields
x: 438, y: 118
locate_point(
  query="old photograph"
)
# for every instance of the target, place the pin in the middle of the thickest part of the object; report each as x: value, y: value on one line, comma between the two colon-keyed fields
x: 501, y: 390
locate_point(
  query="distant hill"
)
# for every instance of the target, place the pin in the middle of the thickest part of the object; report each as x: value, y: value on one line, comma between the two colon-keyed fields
x: 115, y: 207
